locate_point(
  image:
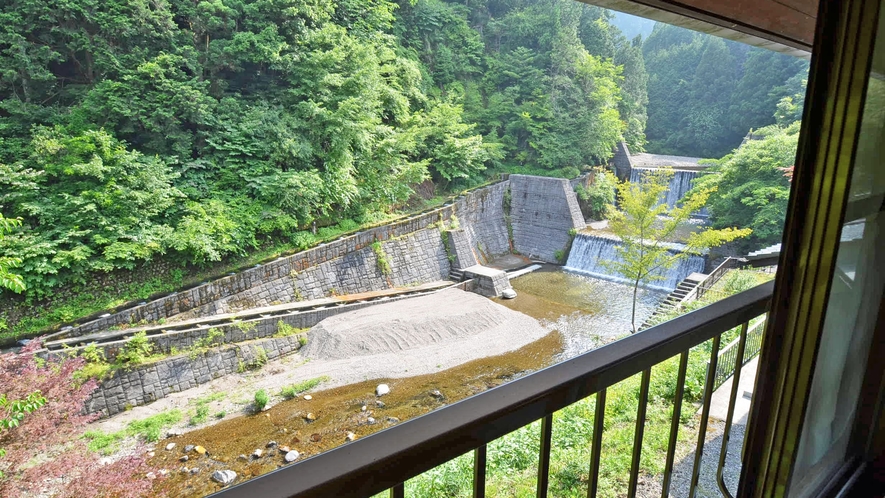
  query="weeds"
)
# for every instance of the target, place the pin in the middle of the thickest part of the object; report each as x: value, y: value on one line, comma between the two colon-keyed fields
x: 381, y: 259
x: 148, y: 429
x: 290, y: 392
x: 286, y: 330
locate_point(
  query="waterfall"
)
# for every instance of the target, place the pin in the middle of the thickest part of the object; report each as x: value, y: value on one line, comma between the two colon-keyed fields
x: 588, y: 251
x: 680, y: 184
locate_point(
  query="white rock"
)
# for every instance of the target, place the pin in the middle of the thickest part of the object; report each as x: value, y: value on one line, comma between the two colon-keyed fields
x: 382, y: 389
x: 257, y: 453
x: 224, y: 477
x: 371, y: 421
x: 508, y: 294
x: 308, y: 397
x: 364, y: 408
x: 351, y: 436
x: 170, y: 446
x: 292, y: 456
x: 151, y: 476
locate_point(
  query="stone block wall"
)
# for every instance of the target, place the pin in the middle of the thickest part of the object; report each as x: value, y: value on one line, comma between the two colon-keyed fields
x: 414, y: 258
x: 245, y: 330
x: 621, y: 161
x: 413, y: 247
x: 481, y: 216
x: 148, y: 383
x: 461, y: 250
x: 543, y: 211
x: 281, y: 268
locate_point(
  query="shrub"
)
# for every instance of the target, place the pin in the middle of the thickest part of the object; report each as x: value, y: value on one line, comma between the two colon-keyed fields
x: 596, y: 198
x: 286, y: 330
x: 43, y: 455
x: 213, y: 337
x: 200, y: 416
x: 739, y: 280
x: 137, y: 350
x: 261, y: 399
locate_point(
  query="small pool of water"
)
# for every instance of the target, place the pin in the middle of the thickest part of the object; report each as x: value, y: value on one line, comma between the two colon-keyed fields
x: 587, y: 311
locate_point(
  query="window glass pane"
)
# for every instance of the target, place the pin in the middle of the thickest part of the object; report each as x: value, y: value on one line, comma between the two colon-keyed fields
x: 851, y: 310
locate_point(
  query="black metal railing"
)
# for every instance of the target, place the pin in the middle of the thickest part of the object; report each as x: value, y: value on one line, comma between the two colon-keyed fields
x: 728, y: 357
x: 385, y: 460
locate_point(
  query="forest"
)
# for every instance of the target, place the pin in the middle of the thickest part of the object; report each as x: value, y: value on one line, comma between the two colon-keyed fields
x: 194, y: 130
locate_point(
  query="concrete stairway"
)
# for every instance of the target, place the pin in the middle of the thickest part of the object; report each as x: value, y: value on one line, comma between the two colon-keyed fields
x: 674, y: 298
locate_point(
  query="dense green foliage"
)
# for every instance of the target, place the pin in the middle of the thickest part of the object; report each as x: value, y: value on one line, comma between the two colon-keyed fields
x: 8, y: 279
x: 197, y: 130
x: 752, y: 184
x: 706, y: 93
x: 753, y: 189
x: 595, y: 199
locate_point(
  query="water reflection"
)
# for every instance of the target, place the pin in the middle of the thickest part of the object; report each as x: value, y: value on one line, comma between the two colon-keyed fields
x: 588, y: 312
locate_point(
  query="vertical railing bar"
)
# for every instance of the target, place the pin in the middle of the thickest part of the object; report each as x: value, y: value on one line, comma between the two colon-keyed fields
x: 674, y: 424
x: 735, y: 381
x: 479, y: 472
x: 398, y: 491
x: 639, y: 433
x: 596, y: 447
x: 544, y: 457
x: 705, y: 414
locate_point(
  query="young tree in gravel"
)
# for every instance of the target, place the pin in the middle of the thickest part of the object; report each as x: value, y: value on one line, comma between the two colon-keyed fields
x: 40, y: 422
x: 645, y: 225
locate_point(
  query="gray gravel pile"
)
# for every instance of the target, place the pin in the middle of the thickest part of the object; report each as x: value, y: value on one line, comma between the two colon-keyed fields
x: 448, y: 318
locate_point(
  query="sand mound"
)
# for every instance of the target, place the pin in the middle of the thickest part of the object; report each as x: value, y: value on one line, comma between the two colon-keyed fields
x: 450, y: 316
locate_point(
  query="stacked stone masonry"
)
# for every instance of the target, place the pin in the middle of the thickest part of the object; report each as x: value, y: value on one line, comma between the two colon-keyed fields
x: 543, y: 211
x: 461, y: 252
x: 240, y: 331
x: 126, y: 389
x: 480, y: 214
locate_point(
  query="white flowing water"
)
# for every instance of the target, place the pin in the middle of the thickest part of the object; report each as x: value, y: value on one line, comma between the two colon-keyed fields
x: 680, y: 184
x: 588, y: 252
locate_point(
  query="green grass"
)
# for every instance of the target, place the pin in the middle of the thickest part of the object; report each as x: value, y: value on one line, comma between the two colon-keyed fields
x: 148, y: 429
x: 290, y: 392
x: 201, y: 412
x: 513, y: 459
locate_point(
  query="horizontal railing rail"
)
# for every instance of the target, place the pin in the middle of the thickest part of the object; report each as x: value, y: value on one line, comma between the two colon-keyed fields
x: 727, y: 361
x: 385, y: 460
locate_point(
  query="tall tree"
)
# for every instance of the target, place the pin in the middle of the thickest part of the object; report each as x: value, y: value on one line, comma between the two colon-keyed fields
x: 645, y: 226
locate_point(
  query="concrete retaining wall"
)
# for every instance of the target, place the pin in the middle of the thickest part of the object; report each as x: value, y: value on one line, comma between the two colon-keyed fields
x: 543, y: 211
x: 147, y: 383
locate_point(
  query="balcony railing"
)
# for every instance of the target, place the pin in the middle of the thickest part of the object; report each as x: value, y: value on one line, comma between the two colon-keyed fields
x: 385, y: 460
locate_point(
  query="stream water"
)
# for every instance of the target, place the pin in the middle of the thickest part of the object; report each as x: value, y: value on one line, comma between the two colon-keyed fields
x: 581, y: 312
